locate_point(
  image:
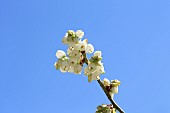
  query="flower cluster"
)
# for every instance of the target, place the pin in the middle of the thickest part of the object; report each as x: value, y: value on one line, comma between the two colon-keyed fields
x: 105, y: 109
x: 73, y: 40
x: 76, y: 56
x: 73, y: 60
x: 111, y: 86
x: 95, y: 67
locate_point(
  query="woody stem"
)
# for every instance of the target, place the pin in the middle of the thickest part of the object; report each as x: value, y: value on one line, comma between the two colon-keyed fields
x: 85, y: 60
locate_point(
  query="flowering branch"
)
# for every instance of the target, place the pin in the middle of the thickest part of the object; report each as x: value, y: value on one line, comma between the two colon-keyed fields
x: 109, y: 97
x: 73, y: 63
x: 104, y: 89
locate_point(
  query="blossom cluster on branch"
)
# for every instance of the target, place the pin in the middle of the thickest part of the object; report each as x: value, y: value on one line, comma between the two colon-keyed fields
x: 111, y: 86
x: 73, y: 60
x: 105, y: 109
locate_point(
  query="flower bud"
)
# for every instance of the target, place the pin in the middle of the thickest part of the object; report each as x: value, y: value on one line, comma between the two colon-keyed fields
x: 106, y: 82
x: 60, y: 54
x: 114, y: 89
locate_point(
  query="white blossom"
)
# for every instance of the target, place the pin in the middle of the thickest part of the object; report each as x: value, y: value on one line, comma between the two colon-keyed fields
x: 70, y: 50
x: 73, y: 61
x: 82, y: 45
x: 60, y: 54
x: 114, y: 89
x: 72, y: 40
x: 71, y: 70
x: 79, y: 33
x: 58, y: 64
x: 89, y: 49
x: 106, y: 82
x: 64, y: 40
x: 93, y: 71
x: 115, y: 82
x: 76, y: 54
x: 98, y: 54
x: 87, y: 71
x: 77, y: 69
x: 62, y: 70
x: 111, y: 94
x: 75, y: 40
x: 104, y: 105
x: 65, y: 65
x: 92, y: 67
x: 95, y: 75
x: 100, y: 68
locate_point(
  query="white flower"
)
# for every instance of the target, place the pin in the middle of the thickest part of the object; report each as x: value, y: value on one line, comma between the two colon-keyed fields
x: 76, y: 54
x: 79, y: 33
x: 71, y: 70
x: 93, y: 72
x: 111, y: 94
x: 64, y: 40
x: 75, y: 40
x: 104, y: 105
x: 69, y: 51
x: 100, y: 69
x: 114, y: 89
x: 58, y: 64
x: 98, y: 54
x: 65, y: 65
x: 77, y: 69
x: 92, y: 67
x: 115, y: 82
x: 72, y: 40
x: 63, y: 71
x: 60, y: 54
x: 95, y: 75
x: 73, y: 45
x: 87, y: 71
x: 82, y: 45
x: 89, y: 48
x: 106, y: 82
x: 73, y: 61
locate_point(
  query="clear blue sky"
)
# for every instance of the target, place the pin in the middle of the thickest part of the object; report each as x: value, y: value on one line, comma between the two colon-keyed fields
x: 134, y: 36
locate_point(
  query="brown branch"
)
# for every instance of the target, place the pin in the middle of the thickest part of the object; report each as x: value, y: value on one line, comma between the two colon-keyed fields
x: 85, y: 60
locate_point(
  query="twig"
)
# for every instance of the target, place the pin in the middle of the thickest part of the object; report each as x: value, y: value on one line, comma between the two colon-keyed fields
x: 109, y: 97
x: 85, y: 60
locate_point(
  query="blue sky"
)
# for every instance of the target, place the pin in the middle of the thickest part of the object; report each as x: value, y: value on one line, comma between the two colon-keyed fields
x: 133, y: 35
